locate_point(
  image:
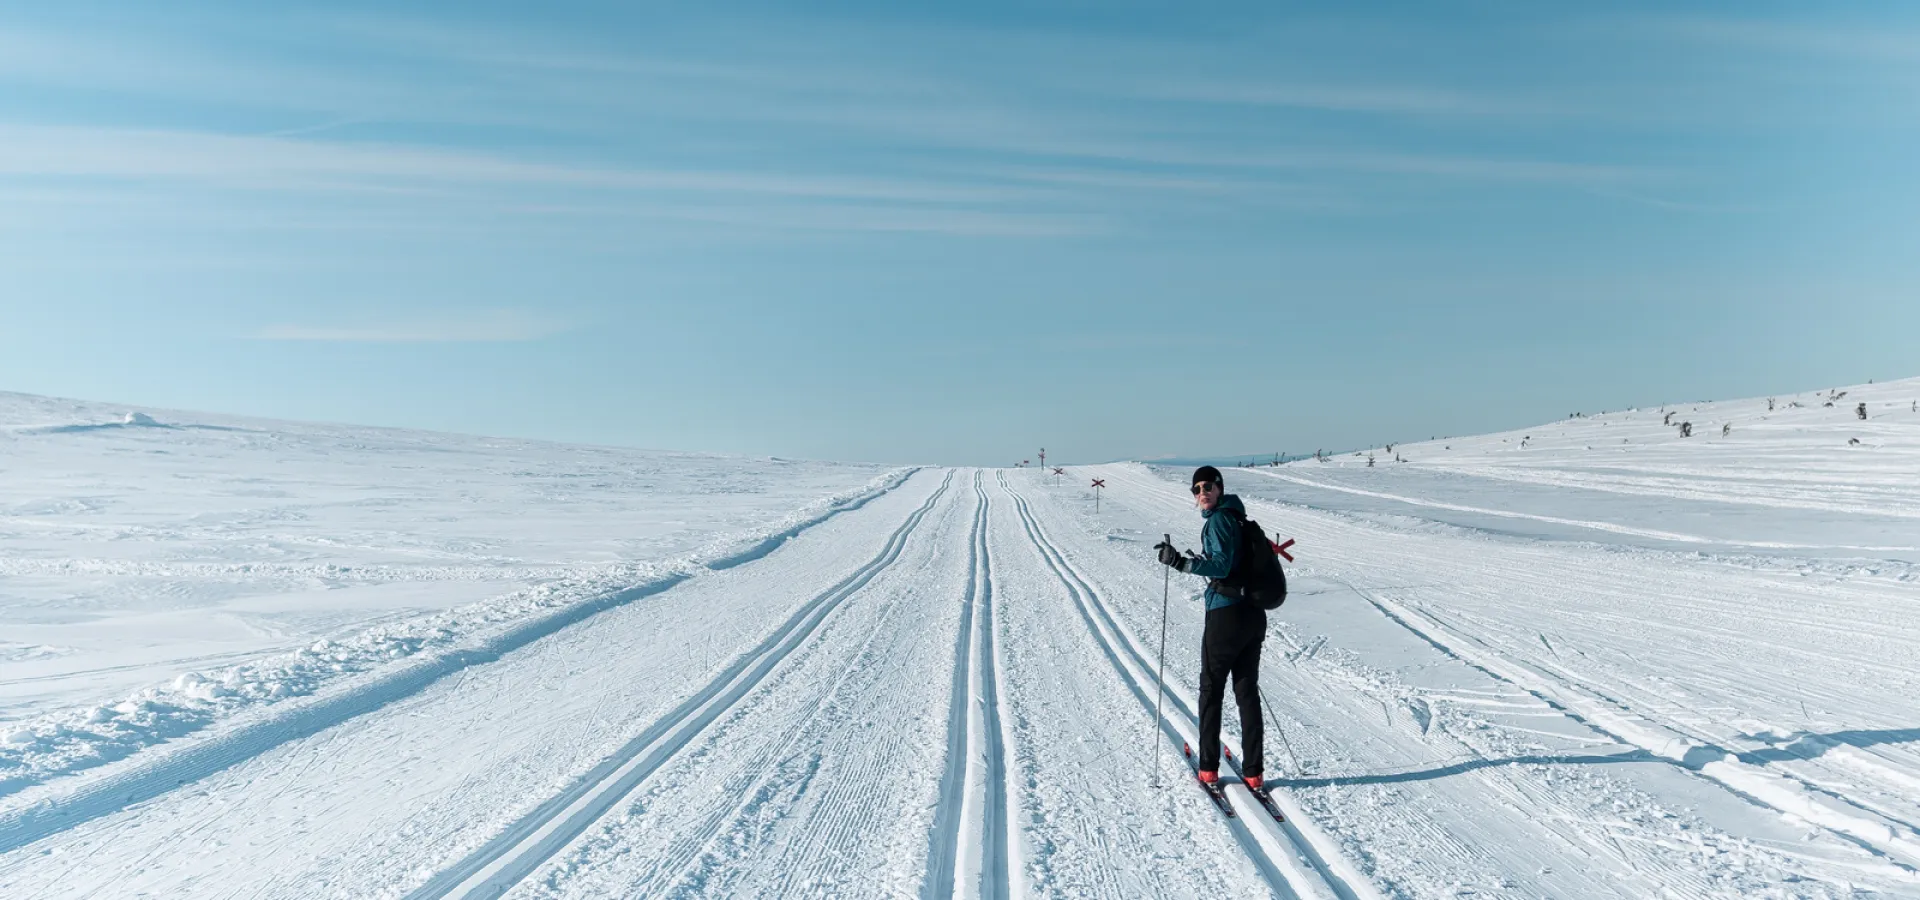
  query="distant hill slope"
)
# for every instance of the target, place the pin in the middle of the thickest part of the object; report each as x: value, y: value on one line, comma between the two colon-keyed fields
x: 1810, y: 449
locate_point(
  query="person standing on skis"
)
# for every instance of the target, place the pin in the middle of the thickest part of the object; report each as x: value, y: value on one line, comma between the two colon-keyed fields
x: 1236, y: 629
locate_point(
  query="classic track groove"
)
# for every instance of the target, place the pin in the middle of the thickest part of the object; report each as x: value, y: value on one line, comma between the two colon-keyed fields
x: 970, y: 851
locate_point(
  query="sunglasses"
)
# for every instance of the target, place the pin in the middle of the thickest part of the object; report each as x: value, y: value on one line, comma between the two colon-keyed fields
x: 1204, y: 486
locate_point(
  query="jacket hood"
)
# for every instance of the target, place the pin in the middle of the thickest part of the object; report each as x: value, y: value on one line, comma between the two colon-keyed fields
x: 1227, y: 501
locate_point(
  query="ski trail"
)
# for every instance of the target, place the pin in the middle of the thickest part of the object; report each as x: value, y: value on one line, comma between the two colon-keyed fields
x: 943, y: 855
x: 64, y: 808
x: 973, y: 854
x: 1610, y: 527
x: 1004, y: 839
x: 1890, y: 839
x: 807, y: 786
x: 985, y: 849
x: 510, y: 856
x: 1297, y: 859
x: 1662, y: 859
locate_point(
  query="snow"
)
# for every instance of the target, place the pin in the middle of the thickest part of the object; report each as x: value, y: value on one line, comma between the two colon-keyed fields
x: 261, y: 659
x: 187, y: 572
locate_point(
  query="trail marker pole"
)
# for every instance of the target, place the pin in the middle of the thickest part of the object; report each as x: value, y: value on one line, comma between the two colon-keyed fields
x: 1057, y: 472
x: 1160, y: 670
x: 1099, y: 483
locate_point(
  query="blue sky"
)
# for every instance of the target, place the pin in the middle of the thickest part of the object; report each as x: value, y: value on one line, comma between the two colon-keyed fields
x: 955, y: 232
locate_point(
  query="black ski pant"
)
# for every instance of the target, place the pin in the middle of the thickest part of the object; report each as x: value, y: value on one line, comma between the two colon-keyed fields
x: 1231, y: 647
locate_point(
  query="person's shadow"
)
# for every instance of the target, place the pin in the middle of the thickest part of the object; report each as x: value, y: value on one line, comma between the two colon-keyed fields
x: 1806, y: 745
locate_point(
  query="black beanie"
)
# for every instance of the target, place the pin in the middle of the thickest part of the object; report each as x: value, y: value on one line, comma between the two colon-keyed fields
x: 1207, y: 473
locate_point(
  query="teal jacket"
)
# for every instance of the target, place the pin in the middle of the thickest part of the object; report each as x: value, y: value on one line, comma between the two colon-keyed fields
x: 1219, y: 544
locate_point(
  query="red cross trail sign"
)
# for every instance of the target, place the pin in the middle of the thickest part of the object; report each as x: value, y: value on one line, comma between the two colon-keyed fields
x: 1282, y: 549
x: 1098, y: 483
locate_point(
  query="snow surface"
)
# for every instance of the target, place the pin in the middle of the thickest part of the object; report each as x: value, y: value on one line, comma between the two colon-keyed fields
x: 1662, y: 666
x: 167, y: 570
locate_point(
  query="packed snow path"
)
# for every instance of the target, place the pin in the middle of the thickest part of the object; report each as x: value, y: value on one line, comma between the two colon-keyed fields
x: 948, y: 691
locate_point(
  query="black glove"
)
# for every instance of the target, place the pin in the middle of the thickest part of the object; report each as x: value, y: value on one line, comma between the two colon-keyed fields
x: 1170, y: 556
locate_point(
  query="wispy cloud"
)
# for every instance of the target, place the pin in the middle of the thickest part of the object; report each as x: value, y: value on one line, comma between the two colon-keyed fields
x: 27, y: 150
x: 1093, y: 343
x: 486, y: 327
x: 1879, y: 44
x: 1402, y: 100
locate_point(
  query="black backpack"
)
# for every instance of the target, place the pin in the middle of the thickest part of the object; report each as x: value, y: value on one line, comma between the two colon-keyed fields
x: 1256, y: 568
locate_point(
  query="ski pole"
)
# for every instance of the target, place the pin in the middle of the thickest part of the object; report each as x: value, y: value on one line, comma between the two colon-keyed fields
x: 1282, y: 732
x: 1160, y: 672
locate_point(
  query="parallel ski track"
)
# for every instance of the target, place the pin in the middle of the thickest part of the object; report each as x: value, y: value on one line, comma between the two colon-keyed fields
x: 1887, y: 837
x: 26, y: 824
x: 696, y: 847
x: 1762, y: 785
x: 496, y: 866
x: 971, y: 853
x: 1277, y: 849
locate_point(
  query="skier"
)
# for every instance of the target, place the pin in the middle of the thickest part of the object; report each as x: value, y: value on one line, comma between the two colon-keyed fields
x: 1236, y: 628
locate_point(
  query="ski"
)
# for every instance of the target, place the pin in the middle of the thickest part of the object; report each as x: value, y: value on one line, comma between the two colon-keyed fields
x: 1213, y: 790
x: 1261, y: 794
x: 1266, y: 799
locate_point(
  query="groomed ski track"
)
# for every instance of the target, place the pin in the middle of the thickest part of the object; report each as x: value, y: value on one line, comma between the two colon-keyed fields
x: 1492, y: 705
x: 510, y: 725
x: 1293, y: 863
x: 972, y: 848
x: 501, y: 863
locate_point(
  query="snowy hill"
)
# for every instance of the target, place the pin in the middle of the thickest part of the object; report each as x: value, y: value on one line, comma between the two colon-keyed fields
x: 1806, y: 477
x: 1662, y: 666
x: 1794, y: 450
x: 164, y: 570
